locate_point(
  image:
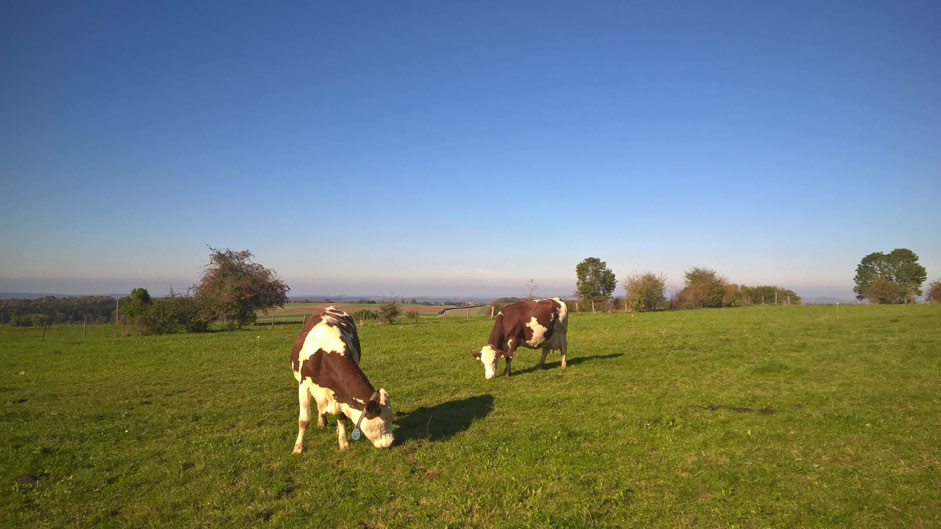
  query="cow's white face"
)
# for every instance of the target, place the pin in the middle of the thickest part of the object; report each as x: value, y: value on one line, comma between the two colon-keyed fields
x: 379, y: 429
x: 488, y: 356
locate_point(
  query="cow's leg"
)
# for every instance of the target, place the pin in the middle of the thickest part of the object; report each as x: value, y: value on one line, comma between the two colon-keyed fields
x: 342, y: 441
x: 321, y: 419
x: 563, y: 350
x: 542, y: 361
x: 509, y: 357
x: 303, y: 397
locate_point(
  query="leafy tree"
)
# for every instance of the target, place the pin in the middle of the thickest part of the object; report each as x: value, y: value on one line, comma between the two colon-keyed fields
x: 642, y: 292
x: 900, y: 266
x: 137, y: 304
x: 234, y: 287
x: 885, y: 291
x: 934, y: 291
x: 704, y: 288
x: 594, y: 280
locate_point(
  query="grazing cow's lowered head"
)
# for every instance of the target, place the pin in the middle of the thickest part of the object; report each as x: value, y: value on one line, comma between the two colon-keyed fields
x: 534, y: 324
x: 377, y: 424
x: 488, y: 355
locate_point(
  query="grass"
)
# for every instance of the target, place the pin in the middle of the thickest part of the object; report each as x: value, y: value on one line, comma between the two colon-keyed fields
x: 752, y: 417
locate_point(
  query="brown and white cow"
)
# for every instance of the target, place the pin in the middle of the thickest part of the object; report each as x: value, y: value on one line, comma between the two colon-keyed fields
x: 325, y: 361
x: 533, y: 324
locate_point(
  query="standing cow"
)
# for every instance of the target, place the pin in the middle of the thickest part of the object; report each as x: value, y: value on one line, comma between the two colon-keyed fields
x: 325, y: 361
x: 533, y: 324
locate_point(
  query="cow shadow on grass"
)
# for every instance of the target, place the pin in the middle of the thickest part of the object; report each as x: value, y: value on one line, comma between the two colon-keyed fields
x: 443, y: 421
x: 568, y: 362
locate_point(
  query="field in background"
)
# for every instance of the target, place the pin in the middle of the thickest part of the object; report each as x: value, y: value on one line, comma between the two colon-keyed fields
x: 753, y: 417
x: 298, y: 311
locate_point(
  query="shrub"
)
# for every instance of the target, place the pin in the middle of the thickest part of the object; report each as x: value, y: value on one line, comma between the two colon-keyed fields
x: 642, y: 292
x: 389, y: 312
x: 884, y: 291
x: 361, y: 316
x: 704, y: 288
x: 172, y: 314
x: 412, y: 316
x: 934, y: 291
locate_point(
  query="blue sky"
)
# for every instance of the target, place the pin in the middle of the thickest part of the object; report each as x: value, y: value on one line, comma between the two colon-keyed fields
x: 432, y: 148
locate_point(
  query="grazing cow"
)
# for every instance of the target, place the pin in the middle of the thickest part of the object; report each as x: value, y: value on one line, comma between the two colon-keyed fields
x: 325, y: 361
x: 533, y: 324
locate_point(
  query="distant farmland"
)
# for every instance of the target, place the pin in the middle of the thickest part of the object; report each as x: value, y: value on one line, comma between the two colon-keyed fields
x: 297, y: 311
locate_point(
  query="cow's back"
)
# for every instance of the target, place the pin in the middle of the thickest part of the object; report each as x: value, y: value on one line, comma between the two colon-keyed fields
x: 317, y: 335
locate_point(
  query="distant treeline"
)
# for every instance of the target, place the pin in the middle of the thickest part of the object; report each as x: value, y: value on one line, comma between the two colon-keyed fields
x: 50, y: 309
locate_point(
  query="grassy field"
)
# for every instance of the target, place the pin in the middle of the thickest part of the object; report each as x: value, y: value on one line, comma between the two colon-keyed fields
x: 751, y: 417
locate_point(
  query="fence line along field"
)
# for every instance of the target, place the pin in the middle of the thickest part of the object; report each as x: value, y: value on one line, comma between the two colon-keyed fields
x: 750, y: 417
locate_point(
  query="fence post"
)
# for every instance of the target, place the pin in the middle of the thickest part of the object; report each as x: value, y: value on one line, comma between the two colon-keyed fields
x: 84, y: 324
x: 44, y: 330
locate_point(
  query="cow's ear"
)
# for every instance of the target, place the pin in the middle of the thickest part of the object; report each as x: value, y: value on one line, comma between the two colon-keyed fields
x: 500, y: 353
x: 384, y: 398
x: 477, y: 355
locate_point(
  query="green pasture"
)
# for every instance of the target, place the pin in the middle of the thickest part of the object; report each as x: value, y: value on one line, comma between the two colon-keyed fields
x: 804, y: 416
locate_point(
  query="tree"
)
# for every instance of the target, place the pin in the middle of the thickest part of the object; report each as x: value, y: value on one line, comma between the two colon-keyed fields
x: 934, y: 291
x: 642, y: 292
x: 704, y: 288
x: 137, y: 304
x: 900, y: 266
x: 884, y: 291
x: 594, y: 280
x: 234, y: 287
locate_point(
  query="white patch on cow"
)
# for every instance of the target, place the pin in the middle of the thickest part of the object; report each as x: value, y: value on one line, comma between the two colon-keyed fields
x: 539, y: 333
x: 509, y: 344
x: 322, y: 336
x: 488, y: 356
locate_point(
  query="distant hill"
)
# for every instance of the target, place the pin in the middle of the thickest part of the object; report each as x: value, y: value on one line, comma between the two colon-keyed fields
x: 34, y: 295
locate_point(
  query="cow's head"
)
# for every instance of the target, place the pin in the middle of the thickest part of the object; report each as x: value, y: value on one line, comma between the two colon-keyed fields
x: 488, y: 356
x: 377, y: 425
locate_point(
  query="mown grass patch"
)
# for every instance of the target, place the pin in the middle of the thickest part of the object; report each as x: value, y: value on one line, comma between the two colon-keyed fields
x: 755, y: 417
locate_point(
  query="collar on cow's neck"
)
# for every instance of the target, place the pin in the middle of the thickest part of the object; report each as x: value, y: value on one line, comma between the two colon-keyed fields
x: 355, y: 433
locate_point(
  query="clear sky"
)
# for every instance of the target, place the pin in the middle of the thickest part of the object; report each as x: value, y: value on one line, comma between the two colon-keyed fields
x: 445, y: 148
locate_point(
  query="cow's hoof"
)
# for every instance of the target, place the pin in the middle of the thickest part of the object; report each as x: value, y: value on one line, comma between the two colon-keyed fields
x: 297, y: 449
